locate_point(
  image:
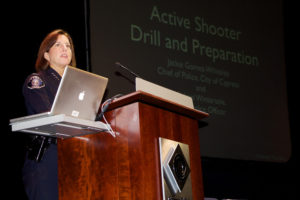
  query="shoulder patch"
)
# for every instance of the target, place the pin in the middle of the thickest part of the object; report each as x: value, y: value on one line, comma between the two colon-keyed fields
x: 35, y: 82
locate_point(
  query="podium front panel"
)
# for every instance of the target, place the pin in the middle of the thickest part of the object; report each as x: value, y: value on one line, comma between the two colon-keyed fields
x: 100, y: 166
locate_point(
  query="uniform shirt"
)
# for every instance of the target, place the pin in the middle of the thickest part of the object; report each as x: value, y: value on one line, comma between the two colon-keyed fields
x: 40, y: 178
x: 39, y: 90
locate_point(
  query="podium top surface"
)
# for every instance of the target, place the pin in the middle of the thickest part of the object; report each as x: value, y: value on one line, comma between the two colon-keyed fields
x: 144, y: 97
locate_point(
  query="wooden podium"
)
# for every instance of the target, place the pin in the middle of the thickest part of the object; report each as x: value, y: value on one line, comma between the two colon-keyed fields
x: 100, y: 166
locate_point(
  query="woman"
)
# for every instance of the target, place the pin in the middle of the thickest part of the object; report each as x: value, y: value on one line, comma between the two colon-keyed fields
x: 40, y: 167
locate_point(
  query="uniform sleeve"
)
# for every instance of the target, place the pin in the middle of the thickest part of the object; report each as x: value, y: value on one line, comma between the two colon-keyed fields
x: 35, y: 95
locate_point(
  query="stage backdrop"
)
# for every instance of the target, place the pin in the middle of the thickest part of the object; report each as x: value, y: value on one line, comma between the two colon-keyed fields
x: 227, y: 55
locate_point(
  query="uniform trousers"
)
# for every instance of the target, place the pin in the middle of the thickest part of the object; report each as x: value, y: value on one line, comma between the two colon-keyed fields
x: 40, y: 178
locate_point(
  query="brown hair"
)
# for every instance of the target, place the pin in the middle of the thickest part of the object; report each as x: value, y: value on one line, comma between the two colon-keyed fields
x: 41, y: 63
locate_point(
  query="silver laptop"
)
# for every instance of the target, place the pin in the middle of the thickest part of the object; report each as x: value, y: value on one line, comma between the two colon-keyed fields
x: 79, y: 95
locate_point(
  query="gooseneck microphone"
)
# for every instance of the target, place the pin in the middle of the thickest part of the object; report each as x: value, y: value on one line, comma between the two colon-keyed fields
x: 127, y: 69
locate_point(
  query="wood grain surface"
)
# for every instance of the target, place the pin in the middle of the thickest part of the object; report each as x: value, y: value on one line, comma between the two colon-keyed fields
x: 100, y: 166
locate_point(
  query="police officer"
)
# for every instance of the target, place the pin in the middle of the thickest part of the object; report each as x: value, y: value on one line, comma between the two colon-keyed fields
x: 39, y: 90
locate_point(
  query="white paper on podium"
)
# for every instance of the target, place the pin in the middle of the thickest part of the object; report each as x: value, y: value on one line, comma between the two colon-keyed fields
x: 60, y: 126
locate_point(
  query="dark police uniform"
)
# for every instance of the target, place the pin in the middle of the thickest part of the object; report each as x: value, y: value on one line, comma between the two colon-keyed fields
x: 40, y: 167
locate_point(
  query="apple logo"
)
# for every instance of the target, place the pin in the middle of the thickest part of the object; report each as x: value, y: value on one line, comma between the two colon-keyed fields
x: 81, y: 95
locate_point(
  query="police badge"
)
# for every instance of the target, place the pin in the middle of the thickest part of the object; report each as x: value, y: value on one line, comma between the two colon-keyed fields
x: 35, y: 82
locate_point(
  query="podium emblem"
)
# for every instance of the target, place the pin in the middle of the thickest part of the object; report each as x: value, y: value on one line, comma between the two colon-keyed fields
x: 179, y: 167
x: 175, y: 170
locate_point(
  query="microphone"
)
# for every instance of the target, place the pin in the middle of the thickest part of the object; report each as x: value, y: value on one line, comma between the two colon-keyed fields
x: 127, y: 69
